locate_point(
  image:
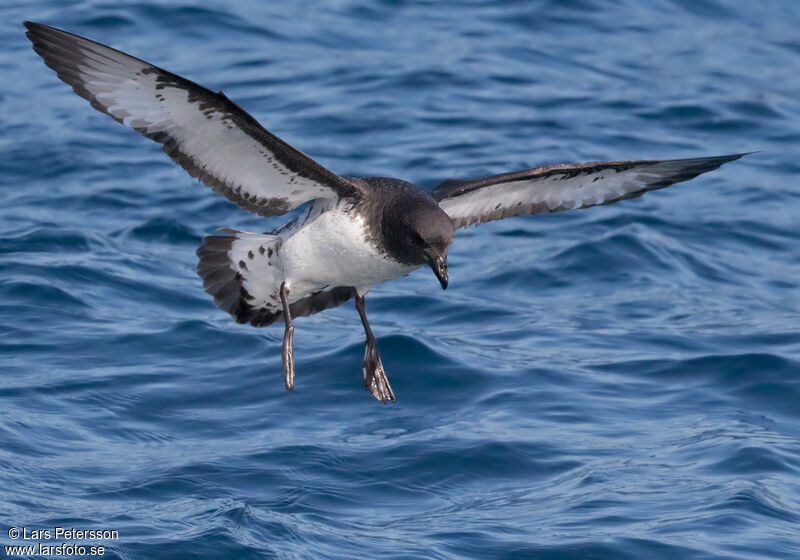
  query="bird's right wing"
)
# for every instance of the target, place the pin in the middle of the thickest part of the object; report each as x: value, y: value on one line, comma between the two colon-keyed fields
x: 205, y: 132
x: 554, y: 188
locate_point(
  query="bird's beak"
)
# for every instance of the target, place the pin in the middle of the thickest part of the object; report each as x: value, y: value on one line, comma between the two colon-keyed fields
x: 439, y: 267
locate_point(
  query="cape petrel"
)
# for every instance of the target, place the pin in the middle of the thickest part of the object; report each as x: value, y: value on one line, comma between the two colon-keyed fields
x: 355, y: 232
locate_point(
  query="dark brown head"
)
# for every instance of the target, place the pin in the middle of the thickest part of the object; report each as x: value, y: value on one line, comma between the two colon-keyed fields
x: 431, y: 233
x: 416, y: 231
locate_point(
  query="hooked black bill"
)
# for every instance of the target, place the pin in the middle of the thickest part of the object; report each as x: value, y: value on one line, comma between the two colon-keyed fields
x: 439, y: 266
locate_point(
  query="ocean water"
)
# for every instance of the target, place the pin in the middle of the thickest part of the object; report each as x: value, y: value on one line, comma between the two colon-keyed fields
x: 621, y: 382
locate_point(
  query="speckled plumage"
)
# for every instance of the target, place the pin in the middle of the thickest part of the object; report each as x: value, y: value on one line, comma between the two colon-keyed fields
x: 356, y: 232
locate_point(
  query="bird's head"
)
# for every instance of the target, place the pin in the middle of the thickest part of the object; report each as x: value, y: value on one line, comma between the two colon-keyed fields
x: 435, y: 241
x: 423, y: 237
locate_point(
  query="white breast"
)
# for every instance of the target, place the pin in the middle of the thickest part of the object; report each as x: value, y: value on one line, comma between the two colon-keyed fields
x: 333, y: 249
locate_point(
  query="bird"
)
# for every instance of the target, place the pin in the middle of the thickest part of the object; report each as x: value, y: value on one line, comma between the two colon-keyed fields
x: 352, y: 232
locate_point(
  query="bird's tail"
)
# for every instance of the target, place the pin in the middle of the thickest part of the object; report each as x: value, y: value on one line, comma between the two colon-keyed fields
x: 244, y: 273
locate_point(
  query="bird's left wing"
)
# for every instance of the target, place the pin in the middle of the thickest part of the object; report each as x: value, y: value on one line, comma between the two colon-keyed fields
x: 554, y: 188
x: 205, y: 132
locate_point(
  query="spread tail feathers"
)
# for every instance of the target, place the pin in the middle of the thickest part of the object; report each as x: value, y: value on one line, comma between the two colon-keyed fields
x: 244, y: 273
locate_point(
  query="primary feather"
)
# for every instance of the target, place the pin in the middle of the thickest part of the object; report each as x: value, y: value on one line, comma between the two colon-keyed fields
x: 205, y: 132
x: 555, y: 188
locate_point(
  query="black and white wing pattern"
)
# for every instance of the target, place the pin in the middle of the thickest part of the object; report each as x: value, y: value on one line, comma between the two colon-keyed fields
x: 205, y: 132
x: 554, y: 188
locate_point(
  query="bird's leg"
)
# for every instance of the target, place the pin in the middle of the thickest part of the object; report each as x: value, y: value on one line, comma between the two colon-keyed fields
x: 375, y: 380
x: 287, y: 354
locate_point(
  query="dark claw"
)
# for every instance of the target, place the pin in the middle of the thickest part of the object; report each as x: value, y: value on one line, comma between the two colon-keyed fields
x: 375, y: 380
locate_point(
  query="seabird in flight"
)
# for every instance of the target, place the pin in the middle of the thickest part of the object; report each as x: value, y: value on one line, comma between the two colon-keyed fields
x: 356, y: 231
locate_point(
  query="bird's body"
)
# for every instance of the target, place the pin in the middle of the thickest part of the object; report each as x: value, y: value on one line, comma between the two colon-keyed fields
x: 335, y: 248
x: 342, y: 245
x: 329, y: 248
x: 355, y: 232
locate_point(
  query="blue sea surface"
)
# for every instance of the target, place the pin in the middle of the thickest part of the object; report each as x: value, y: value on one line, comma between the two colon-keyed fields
x: 615, y: 383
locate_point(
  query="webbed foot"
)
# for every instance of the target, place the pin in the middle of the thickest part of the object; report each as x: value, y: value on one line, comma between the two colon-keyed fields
x: 287, y: 351
x: 375, y: 380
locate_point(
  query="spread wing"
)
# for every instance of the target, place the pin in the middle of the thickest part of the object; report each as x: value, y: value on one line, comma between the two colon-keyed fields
x: 205, y: 132
x: 555, y: 188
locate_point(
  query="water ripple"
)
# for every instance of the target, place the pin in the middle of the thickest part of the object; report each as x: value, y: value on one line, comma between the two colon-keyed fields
x: 616, y: 383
